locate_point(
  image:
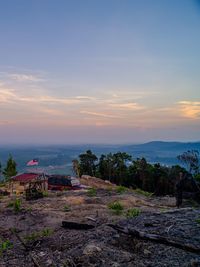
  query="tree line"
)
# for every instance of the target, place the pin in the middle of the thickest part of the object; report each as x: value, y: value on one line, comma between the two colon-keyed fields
x: 120, y: 168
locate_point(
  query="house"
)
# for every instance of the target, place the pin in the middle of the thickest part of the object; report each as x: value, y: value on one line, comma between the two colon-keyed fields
x: 23, y: 181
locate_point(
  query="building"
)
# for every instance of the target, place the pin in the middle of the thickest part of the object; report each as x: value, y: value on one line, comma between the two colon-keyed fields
x: 23, y: 181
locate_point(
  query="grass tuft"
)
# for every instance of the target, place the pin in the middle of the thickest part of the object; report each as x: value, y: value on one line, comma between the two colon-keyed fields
x: 5, y: 245
x: 36, y: 235
x: 133, y: 212
x: 92, y: 192
x: 121, y: 189
x: 142, y: 192
x: 116, y: 207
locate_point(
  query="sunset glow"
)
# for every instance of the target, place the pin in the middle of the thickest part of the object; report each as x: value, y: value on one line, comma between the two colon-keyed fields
x: 99, y: 71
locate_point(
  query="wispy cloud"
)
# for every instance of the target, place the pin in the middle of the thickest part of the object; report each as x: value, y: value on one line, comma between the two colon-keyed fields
x: 82, y: 97
x: 97, y: 114
x: 190, y: 109
x: 6, y: 95
x: 10, y: 95
x: 127, y: 106
x: 20, y: 77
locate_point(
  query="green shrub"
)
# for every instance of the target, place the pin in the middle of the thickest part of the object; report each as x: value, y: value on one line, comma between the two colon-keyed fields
x: 133, y: 212
x: 45, y: 194
x: 46, y: 232
x: 142, y: 192
x: 92, y: 192
x: 5, y: 245
x: 121, y: 189
x: 17, y: 205
x: 116, y: 207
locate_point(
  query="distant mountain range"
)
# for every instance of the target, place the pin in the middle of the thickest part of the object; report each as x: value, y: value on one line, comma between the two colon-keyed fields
x: 58, y: 158
x: 162, y: 152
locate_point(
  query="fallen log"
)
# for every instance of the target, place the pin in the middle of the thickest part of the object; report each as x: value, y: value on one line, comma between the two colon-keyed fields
x: 77, y: 226
x: 177, y: 243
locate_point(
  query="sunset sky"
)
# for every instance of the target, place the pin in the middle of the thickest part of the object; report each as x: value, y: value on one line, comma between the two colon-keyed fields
x: 99, y: 71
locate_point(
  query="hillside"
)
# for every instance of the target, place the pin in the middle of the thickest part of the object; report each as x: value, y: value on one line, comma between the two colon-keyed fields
x: 34, y: 236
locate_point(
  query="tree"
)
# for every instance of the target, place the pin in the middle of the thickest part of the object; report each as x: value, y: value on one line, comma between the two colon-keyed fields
x: 106, y: 166
x: 10, y: 169
x: 76, y: 167
x: 114, y: 167
x: 87, y: 163
x: 191, y: 159
x: 120, y: 166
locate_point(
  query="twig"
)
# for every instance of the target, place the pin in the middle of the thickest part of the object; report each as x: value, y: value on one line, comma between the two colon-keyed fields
x: 91, y: 219
x: 168, y: 229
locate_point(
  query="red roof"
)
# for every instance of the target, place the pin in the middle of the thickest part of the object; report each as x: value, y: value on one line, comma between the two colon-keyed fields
x: 25, y: 177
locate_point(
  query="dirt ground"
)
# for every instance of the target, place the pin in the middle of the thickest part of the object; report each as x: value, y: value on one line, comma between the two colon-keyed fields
x: 35, y: 235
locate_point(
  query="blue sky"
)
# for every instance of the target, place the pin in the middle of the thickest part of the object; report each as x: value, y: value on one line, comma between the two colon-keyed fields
x: 99, y: 71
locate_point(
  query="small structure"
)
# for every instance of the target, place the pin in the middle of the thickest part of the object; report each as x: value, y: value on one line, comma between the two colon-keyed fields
x: 21, y: 182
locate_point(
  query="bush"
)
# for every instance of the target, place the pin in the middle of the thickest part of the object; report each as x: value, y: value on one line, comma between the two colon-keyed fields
x: 116, y: 207
x: 134, y: 212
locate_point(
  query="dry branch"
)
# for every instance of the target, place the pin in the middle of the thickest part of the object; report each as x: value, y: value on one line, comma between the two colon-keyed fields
x: 157, y: 239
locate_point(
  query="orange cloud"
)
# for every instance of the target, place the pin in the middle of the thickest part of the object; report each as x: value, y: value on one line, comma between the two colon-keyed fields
x: 190, y: 109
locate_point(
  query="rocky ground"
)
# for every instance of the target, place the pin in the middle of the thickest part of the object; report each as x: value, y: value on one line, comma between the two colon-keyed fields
x: 34, y: 235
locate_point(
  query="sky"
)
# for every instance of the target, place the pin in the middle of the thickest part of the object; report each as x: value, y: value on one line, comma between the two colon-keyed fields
x: 99, y: 71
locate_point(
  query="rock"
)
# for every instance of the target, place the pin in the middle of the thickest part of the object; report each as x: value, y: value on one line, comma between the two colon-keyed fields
x: 115, y: 264
x: 49, y: 262
x: 91, y: 249
x: 147, y: 252
x: 42, y: 254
